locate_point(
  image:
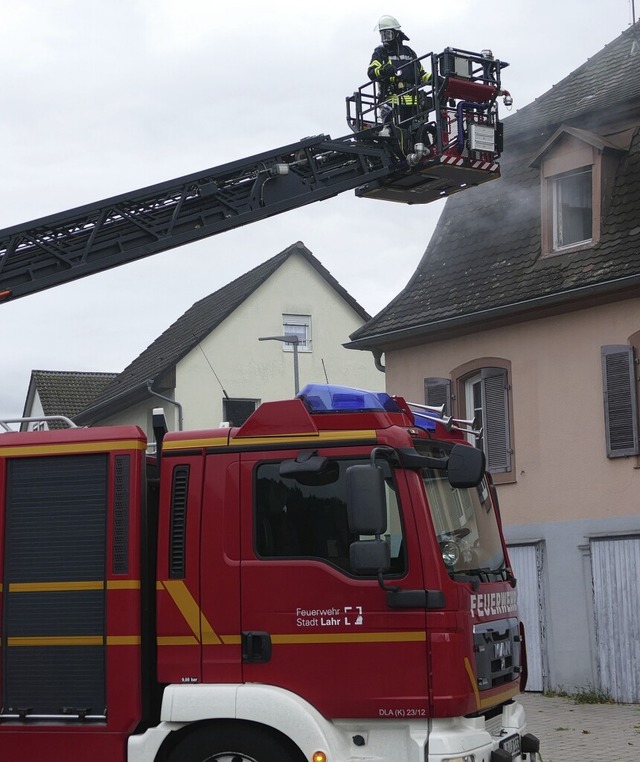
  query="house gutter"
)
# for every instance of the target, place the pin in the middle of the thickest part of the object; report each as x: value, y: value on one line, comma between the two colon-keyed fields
x: 377, y: 360
x: 409, y: 336
x: 129, y: 397
x: 166, y: 399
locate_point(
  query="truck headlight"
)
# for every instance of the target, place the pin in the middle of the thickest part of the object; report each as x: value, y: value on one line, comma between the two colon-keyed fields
x: 450, y: 555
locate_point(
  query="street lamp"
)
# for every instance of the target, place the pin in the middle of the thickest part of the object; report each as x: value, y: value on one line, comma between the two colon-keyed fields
x: 288, y: 338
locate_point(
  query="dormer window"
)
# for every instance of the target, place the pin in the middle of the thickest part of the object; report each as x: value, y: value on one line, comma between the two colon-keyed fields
x: 576, y: 168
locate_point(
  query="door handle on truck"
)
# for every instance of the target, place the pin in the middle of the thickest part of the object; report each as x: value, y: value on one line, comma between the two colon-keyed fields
x: 256, y: 647
x: 415, y: 599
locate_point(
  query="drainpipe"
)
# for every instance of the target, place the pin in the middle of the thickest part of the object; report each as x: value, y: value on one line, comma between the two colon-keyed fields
x: 166, y: 399
x: 377, y: 360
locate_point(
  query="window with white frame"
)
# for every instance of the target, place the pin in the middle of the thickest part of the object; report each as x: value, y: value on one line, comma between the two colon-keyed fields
x: 572, y: 208
x: 473, y: 401
x: 480, y: 390
x: 235, y: 410
x: 300, y: 326
x: 487, y: 402
x: 577, y: 174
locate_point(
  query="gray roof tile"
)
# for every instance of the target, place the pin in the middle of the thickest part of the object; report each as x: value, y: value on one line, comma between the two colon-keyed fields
x: 64, y: 392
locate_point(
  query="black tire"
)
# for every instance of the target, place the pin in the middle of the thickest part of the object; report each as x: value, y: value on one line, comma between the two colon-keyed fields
x: 232, y: 743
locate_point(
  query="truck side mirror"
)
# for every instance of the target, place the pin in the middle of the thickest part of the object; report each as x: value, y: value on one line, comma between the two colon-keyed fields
x: 370, y: 556
x: 366, y: 502
x: 466, y: 466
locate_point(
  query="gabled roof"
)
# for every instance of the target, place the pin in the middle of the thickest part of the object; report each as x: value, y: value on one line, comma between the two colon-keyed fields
x: 590, y: 138
x: 161, y: 357
x: 64, y: 392
x: 484, y: 262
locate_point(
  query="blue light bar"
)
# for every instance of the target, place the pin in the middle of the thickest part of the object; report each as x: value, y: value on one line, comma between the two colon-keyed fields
x: 328, y: 398
x: 424, y: 419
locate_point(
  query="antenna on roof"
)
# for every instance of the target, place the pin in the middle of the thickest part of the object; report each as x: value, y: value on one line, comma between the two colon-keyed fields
x: 224, y: 391
x: 230, y: 403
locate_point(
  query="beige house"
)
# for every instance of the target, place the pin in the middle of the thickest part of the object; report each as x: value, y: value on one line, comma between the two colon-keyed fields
x: 210, y: 366
x: 524, y: 314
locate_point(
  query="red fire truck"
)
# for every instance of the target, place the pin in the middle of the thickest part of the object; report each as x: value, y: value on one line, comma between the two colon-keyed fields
x: 327, y: 582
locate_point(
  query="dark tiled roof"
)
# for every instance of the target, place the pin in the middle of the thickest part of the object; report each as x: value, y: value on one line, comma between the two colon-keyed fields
x: 64, y: 392
x: 484, y: 255
x: 192, y: 327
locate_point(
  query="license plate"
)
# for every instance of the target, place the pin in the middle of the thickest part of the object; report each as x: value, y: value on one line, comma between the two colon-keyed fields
x: 511, y: 745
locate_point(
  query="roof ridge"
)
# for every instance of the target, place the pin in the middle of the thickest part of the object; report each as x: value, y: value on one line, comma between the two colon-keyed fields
x: 76, y: 372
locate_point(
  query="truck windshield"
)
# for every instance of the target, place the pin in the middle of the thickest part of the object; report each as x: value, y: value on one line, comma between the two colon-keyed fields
x: 465, y: 522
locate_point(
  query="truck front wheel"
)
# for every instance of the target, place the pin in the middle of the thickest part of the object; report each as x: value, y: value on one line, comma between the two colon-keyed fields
x: 236, y: 743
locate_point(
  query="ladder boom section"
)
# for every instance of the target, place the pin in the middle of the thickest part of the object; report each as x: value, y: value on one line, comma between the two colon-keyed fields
x: 88, y: 239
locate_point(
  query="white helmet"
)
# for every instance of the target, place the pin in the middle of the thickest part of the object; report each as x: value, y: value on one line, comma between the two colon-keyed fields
x: 387, y: 22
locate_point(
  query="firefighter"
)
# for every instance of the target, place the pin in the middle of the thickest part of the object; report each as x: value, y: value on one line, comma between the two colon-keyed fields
x: 394, y: 67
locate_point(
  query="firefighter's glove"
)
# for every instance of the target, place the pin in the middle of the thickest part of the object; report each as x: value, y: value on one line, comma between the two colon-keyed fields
x: 387, y: 71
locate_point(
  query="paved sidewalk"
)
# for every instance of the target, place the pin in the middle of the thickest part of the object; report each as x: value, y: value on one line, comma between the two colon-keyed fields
x: 571, y: 732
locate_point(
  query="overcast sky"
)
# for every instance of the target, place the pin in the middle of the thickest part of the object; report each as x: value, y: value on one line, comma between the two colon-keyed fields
x: 100, y: 97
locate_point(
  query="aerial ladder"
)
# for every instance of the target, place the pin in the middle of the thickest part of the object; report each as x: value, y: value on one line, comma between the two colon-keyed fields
x: 451, y: 141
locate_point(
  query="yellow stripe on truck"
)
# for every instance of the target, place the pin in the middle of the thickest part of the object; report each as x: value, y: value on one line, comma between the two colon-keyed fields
x: 74, y: 447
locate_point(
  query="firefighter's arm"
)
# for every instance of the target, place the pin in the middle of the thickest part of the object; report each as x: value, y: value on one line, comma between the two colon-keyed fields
x: 424, y: 77
x: 379, y: 69
x: 421, y: 77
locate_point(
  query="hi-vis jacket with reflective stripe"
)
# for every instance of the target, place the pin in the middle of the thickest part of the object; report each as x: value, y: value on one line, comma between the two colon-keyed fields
x: 392, y: 87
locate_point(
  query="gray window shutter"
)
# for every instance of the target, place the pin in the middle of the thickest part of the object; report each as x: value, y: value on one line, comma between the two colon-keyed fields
x: 437, y: 391
x: 620, y: 400
x: 495, y: 404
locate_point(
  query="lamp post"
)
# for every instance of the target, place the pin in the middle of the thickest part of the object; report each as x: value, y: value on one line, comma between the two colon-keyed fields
x: 288, y: 338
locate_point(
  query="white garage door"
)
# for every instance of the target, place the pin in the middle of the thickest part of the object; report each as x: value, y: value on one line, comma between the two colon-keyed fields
x: 615, y: 565
x: 526, y: 562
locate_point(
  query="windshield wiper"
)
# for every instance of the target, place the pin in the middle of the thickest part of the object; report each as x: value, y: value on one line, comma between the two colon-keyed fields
x: 484, y: 574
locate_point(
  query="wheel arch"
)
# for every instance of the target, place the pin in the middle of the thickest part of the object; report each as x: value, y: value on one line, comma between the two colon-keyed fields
x: 267, y: 709
x: 176, y: 739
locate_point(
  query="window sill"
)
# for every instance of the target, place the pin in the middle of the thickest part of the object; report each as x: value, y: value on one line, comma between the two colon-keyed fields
x: 582, y: 246
x: 504, y: 478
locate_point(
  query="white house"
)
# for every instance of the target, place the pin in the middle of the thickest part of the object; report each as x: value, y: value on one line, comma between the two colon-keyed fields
x: 210, y: 366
